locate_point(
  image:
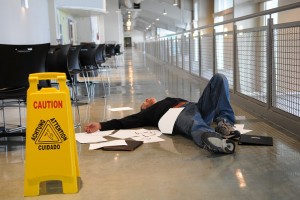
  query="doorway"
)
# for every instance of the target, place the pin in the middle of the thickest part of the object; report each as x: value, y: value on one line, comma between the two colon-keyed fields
x: 127, y: 41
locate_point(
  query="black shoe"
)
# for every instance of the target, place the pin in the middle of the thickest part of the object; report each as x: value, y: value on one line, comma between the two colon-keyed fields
x: 214, y: 142
x: 227, y: 130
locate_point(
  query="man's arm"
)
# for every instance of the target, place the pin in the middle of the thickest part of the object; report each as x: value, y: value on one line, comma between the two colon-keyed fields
x: 131, y: 121
x: 147, y: 117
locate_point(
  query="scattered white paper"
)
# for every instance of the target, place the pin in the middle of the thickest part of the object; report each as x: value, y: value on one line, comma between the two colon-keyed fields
x: 147, y: 133
x: 240, y: 127
x: 105, y: 144
x: 147, y: 136
x: 124, y: 133
x: 146, y: 139
x: 120, y: 109
x: 167, y: 121
x: 92, y: 137
x: 144, y: 135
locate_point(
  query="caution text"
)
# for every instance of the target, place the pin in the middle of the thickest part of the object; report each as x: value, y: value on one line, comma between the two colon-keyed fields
x: 47, y: 104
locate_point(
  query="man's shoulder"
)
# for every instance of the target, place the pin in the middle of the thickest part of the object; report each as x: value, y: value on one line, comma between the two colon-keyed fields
x: 174, y: 99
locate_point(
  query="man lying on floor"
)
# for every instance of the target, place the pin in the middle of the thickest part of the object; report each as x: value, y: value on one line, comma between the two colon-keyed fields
x: 194, y: 120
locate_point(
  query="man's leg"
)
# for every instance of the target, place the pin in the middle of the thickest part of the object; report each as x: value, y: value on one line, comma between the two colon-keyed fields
x: 190, y: 123
x: 214, y: 103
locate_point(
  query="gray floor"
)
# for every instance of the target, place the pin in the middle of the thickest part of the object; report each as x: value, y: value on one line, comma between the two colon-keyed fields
x: 173, y: 169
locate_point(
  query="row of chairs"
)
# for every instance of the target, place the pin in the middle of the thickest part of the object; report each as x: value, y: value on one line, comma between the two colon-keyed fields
x: 85, y: 60
x: 113, y: 51
x: 18, y: 61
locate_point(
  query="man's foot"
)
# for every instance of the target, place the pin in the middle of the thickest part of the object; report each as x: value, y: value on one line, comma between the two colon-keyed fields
x: 227, y: 130
x: 214, y: 142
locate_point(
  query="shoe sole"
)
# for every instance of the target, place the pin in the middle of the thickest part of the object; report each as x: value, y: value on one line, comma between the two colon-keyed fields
x: 216, y: 144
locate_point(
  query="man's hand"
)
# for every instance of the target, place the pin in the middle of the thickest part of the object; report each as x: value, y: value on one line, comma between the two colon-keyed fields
x: 92, y: 127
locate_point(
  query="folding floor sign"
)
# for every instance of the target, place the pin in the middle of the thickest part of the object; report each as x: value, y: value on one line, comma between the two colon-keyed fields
x: 51, y: 153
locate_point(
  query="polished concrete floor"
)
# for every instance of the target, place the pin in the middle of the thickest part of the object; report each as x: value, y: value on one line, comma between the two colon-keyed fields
x: 172, y: 169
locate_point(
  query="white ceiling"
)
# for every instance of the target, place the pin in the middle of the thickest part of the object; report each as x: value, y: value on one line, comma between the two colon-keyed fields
x: 177, y: 17
x: 81, y: 12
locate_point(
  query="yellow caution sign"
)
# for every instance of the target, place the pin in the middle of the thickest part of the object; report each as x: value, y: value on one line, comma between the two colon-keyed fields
x: 51, y: 152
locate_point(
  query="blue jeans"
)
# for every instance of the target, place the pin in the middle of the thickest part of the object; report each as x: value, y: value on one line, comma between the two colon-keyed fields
x: 213, y: 105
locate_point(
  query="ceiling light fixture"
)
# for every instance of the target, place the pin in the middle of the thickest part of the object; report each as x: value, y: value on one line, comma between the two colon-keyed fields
x: 175, y: 3
x: 157, y: 19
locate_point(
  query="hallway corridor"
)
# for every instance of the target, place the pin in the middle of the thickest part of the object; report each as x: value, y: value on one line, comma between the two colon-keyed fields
x: 173, y: 169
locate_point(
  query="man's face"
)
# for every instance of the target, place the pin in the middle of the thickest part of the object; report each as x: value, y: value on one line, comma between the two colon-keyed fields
x: 148, y: 102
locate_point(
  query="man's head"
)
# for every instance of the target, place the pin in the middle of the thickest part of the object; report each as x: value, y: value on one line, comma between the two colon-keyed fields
x: 148, y: 102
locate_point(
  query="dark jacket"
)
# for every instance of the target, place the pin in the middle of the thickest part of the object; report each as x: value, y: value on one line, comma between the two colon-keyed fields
x: 147, y: 117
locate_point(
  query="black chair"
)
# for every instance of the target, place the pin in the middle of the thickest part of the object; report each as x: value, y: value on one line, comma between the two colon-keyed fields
x: 118, y: 49
x: 118, y: 54
x: 91, y: 57
x: 17, y: 62
x: 75, y: 69
x: 57, y: 61
x: 111, y: 53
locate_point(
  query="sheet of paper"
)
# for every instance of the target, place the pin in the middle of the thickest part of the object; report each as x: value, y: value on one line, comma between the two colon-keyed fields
x: 124, y: 133
x: 120, y: 109
x: 147, y: 133
x: 105, y: 144
x: 146, y: 139
x: 240, y: 127
x: 92, y: 137
x: 167, y: 121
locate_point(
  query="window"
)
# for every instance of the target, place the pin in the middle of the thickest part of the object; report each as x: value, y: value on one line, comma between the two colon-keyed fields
x: 269, y: 5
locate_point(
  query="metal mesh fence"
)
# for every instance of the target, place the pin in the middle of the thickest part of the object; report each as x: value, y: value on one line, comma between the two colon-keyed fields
x: 224, y: 56
x: 162, y: 49
x: 207, y: 56
x: 166, y: 55
x: 252, y: 64
x: 270, y: 76
x: 286, y: 70
x: 185, y: 53
x: 173, y: 50
x: 179, y: 52
x: 169, y: 51
x: 194, y: 54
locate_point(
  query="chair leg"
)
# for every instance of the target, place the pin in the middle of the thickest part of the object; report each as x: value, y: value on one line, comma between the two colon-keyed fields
x: 3, y: 128
x: 19, y: 126
x: 105, y: 83
x: 86, y: 86
x: 108, y: 82
x: 75, y: 99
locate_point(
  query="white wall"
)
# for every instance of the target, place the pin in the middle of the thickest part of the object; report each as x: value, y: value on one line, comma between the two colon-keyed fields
x: 84, y: 29
x: 24, y: 26
x: 137, y: 37
x: 101, y: 29
x: 113, y: 23
x: 96, y: 4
